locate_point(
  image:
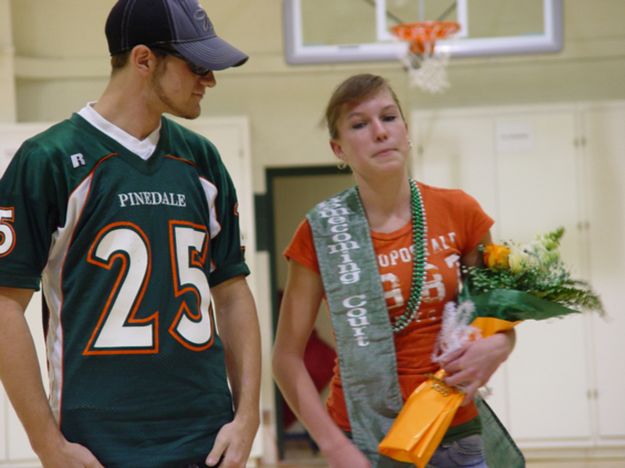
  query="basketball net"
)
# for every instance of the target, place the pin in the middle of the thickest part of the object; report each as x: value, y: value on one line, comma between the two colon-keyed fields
x: 426, y: 66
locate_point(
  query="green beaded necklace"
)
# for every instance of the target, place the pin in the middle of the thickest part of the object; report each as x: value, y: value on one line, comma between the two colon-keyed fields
x: 419, y: 228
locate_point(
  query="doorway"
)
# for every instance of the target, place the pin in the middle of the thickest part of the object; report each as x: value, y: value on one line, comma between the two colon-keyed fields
x: 291, y: 192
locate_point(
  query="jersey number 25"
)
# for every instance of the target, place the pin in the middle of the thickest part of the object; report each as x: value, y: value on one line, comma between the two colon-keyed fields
x: 119, y: 330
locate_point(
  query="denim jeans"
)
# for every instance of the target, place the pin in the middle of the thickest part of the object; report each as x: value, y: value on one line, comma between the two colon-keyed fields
x: 467, y: 452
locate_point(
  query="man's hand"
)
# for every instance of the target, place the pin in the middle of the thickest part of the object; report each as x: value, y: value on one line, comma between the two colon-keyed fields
x: 66, y: 454
x: 233, y: 444
x: 240, y: 334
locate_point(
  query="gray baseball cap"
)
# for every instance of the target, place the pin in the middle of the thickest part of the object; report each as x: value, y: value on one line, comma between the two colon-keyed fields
x: 180, y: 24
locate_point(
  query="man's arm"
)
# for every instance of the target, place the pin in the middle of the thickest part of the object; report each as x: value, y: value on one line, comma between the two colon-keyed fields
x: 21, y: 377
x: 240, y: 333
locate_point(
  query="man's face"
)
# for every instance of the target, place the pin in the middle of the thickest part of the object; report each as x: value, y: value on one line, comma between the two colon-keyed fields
x: 178, y: 89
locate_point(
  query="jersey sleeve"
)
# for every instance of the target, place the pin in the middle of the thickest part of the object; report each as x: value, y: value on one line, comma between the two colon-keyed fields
x: 476, y: 223
x: 227, y: 248
x: 302, y: 248
x: 28, y: 217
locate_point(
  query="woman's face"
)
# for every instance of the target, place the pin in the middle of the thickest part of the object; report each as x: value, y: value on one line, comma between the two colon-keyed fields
x: 372, y: 136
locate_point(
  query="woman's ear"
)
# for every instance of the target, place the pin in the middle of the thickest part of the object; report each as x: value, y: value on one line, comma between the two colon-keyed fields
x: 336, y: 149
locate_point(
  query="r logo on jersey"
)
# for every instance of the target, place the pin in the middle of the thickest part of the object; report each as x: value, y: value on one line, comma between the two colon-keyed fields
x: 78, y: 160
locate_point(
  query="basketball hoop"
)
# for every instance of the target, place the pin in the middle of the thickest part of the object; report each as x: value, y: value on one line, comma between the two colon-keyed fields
x: 427, y: 67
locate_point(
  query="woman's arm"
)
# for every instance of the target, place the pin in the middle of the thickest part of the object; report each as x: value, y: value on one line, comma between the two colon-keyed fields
x: 300, y: 305
x: 473, y: 365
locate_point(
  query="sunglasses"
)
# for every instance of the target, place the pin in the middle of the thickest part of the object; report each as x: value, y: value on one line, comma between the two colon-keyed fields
x: 195, y: 69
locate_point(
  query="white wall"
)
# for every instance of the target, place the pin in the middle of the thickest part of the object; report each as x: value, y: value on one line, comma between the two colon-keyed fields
x: 61, y: 61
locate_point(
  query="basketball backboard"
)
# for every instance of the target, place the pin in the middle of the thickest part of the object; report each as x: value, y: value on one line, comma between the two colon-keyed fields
x: 333, y: 31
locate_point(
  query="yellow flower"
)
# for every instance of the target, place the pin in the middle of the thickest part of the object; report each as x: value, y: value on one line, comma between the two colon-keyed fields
x: 496, y: 256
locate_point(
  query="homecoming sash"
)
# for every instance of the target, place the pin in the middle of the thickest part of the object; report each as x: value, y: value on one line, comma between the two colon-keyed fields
x: 364, y: 336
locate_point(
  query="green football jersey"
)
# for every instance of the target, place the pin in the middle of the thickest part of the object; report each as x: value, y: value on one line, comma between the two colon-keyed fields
x: 126, y: 250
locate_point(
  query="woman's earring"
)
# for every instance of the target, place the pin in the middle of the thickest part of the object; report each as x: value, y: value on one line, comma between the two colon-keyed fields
x: 342, y: 165
x: 410, y: 145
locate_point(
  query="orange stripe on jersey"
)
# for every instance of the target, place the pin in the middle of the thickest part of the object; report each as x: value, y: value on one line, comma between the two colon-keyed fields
x: 178, y: 158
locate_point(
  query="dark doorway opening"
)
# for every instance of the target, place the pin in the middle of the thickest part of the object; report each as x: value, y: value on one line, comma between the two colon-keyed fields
x: 291, y: 192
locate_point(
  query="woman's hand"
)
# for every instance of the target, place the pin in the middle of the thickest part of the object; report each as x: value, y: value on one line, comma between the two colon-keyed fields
x: 472, y: 366
x: 345, y: 455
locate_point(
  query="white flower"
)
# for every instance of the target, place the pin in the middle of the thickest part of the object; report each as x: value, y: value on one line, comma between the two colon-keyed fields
x: 518, y: 259
x: 456, y: 330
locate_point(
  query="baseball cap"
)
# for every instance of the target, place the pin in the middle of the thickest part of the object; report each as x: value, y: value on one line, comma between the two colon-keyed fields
x: 180, y: 24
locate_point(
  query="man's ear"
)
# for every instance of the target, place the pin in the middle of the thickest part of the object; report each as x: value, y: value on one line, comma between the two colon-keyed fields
x: 143, y: 59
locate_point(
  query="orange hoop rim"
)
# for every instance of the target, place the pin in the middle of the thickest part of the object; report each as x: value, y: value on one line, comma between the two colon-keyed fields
x: 422, y: 35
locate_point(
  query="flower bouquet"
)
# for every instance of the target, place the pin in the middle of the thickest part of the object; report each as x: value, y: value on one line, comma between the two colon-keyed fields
x: 517, y: 282
x: 527, y: 281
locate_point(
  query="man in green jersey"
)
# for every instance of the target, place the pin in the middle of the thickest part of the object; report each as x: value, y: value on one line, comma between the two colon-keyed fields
x: 130, y: 222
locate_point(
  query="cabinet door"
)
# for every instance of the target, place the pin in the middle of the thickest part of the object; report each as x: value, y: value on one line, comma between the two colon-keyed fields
x: 457, y: 150
x: 538, y: 190
x: 605, y: 150
x: 522, y: 166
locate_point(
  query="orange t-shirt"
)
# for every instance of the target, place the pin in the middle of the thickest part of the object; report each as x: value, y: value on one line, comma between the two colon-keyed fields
x: 455, y: 225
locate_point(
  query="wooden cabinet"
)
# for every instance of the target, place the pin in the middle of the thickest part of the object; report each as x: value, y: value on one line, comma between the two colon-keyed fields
x: 535, y: 168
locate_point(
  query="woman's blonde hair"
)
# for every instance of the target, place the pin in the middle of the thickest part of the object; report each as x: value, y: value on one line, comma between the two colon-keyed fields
x: 352, y: 91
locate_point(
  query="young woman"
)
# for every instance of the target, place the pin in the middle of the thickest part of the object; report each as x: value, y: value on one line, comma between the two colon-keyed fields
x: 386, y: 257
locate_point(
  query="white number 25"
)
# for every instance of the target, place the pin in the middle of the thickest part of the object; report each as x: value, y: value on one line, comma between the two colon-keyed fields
x: 119, y: 330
